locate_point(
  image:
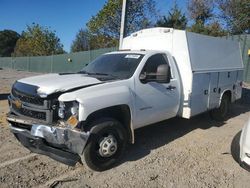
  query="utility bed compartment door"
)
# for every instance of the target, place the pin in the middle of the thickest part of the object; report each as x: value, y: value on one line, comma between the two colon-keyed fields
x: 214, y: 95
x: 227, y: 79
x: 199, y: 95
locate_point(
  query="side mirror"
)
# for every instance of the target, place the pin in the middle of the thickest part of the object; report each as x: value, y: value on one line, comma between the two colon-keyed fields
x: 143, y: 77
x: 163, y: 74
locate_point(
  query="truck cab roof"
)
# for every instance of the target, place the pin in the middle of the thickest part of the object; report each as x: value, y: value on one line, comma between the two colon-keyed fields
x: 141, y: 51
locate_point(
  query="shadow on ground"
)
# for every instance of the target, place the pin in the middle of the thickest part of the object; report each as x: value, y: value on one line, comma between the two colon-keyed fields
x: 159, y: 134
x: 4, y: 96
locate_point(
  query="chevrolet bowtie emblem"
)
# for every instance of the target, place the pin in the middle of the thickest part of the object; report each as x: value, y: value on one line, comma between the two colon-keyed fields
x: 17, y: 103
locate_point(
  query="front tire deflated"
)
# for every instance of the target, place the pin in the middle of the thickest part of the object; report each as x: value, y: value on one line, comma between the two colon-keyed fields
x: 106, y: 144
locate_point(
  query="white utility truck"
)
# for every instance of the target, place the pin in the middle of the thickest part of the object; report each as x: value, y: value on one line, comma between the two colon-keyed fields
x: 158, y: 74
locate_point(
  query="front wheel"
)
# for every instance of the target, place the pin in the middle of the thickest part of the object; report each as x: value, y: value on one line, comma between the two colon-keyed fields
x: 220, y: 114
x: 106, y: 144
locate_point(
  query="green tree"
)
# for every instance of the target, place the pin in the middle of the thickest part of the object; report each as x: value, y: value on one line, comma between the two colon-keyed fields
x: 236, y: 14
x: 8, y: 39
x: 38, y: 41
x: 105, y: 26
x: 102, y: 41
x: 175, y: 19
x: 81, y: 42
x: 212, y: 29
x: 201, y: 12
x: 215, y: 29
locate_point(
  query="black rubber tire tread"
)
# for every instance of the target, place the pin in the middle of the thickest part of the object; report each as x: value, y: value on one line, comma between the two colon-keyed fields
x: 218, y: 114
x: 235, y: 147
x: 100, y: 127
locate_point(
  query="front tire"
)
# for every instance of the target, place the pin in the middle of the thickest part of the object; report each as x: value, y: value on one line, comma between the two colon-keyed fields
x: 106, y: 144
x: 220, y: 114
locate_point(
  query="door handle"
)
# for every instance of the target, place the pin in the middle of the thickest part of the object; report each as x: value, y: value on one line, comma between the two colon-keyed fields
x: 171, y: 88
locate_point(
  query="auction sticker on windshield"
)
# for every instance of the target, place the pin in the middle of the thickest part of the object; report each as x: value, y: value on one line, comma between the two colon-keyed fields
x: 134, y: 56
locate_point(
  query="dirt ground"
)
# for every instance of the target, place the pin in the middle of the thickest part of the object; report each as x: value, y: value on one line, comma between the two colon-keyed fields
x: 174, y: 153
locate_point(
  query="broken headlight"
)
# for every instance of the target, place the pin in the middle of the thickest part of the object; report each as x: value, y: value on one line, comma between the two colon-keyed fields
x: 68, y: 111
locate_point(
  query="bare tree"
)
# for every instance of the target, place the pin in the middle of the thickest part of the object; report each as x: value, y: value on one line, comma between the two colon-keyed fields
x: 200, y: 10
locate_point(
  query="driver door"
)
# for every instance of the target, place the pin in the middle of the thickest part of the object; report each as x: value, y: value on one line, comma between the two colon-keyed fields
x: 155, y: 101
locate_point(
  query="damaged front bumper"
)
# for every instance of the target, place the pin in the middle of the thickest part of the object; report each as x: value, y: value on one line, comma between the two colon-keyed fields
x: 60, y: 143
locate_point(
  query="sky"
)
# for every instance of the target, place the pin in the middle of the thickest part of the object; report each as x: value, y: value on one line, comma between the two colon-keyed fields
x: 63, y: 16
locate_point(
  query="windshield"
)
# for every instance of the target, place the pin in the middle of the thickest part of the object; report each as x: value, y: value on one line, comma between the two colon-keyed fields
x: 120, y: 66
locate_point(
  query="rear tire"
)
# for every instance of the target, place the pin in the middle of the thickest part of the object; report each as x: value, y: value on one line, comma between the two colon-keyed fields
x: 106, y: 144
x: 220, y: 114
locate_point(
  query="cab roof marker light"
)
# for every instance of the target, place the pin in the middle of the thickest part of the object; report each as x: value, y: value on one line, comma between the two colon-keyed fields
x: 166, y: 30
x: 134, y: 35
x: 125, y: 50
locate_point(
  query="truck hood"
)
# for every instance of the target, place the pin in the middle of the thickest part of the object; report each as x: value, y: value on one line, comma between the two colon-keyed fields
x: 52, y: 83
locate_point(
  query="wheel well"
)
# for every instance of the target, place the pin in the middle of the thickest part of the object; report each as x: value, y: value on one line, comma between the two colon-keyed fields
x: 228, y: 93
x: 120, y: 112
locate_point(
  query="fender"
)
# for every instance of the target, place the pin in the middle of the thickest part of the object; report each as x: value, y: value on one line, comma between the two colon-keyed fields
x: 225, y: 91
x: 91, y: 100
x: 103, y: 99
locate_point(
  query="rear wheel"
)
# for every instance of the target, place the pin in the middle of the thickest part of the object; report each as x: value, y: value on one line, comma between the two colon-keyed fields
x: 220, y: 114
x: 106, y: 144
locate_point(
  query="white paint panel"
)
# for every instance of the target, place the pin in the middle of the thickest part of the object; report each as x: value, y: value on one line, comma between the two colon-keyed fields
x: 50, y: 83
x: 149, y: 39
x: 199, y: 98
x: 238, y: 89
x: 181, y: 55
x: 214, y: 95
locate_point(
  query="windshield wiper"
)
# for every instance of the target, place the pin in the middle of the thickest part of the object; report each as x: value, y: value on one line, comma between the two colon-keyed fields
x: 97, y: 73
x: 83, y: 72
x: 104, y: 74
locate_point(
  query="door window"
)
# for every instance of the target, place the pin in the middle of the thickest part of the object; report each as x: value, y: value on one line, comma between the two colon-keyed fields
x: 150, y: 68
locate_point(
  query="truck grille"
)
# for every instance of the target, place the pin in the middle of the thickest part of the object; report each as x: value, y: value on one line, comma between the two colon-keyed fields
x: 30, y: 113
x: 29, y: 99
